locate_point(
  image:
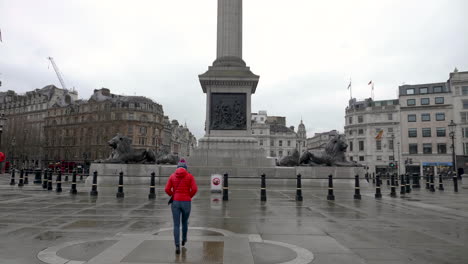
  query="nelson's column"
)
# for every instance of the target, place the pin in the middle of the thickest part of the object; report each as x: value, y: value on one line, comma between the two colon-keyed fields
x: 228, y: 85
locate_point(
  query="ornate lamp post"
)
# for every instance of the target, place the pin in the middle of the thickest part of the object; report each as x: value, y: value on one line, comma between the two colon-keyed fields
x: 452, y: 127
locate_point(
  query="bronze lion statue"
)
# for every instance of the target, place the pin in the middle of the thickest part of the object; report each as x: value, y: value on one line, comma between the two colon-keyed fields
x: 123, y: 152
x: 290, y: 160
x: 333, y: 155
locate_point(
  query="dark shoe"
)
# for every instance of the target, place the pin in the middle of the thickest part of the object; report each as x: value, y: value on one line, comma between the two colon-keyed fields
x: 184, y: 241
x: 177, y: 250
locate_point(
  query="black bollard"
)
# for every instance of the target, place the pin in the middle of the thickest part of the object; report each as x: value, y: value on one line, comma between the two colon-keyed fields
x: 299, y: 189
x: 397, y: 184
x: 45, y: 180
x: 330, y: 195
x: 12, y: 180
x: 120, y: 193
x: 408, y: 185
x: 441, y: 184
x: 94, y: 191
x: 388, y: 179
x: 393, y: 190
x: 373, y: 177
x: 66, y: 177
x: 455, y: 183
x: 38, y: 177
x: 378, y: 192
x: 263, y: 197
x: 432, y: 189
x: 357, y: 191
x: 152, y: 192
x: 59, y: 182
x: 403, y: 186
x: 428, y: 186
x: 49, y: 181
x: 21, y: 179
x: 26, y: 180
x: 225, y: 187
x: 73, y: 184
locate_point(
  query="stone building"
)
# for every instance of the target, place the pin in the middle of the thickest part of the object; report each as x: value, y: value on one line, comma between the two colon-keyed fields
x: 274, y: 137
x: 23, y: 136
x: 318, y: 142
x: 459, y: 86
x: 371, y: 129
x: 425, y: 112
x: 301, y: 138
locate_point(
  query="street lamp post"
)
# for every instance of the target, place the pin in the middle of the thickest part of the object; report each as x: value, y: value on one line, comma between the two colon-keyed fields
x: 452, y: 127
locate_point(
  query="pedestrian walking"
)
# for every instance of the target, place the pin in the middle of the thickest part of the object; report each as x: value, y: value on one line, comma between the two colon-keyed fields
x: 181, y: 186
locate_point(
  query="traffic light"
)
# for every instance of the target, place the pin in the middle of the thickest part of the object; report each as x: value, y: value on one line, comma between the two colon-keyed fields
x: 391, y: 165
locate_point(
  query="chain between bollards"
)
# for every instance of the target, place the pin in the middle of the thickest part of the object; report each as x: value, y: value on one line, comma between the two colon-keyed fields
x: 263, y: 197
x: 378, y: 191
x: 330, y: 195
x: 73, y: 184
x: 94, y: 191
x: 59, y: 182
x: 441, y: 183
x: 120, y: 193
x: 226, y: 187
x: 357, y: 191
x: 21, y: 178
x: 299, y: 188
x: 152, y: 192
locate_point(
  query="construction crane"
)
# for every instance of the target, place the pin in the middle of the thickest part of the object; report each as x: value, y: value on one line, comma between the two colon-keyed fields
x: 59, y: 75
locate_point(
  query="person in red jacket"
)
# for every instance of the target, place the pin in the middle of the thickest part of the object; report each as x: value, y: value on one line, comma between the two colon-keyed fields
x: 183, y: 187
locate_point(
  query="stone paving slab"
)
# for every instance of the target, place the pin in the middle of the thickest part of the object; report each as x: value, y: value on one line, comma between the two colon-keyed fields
x: 420, y: 227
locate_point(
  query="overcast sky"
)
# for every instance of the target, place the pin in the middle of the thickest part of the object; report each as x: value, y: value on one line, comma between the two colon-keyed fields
x: 305, y: 51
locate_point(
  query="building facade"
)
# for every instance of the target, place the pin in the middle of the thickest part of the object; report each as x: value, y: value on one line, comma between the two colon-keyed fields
x: 318, y: 142
x: 273, y: 136
x: 425, y: 112
x: 372, y: 130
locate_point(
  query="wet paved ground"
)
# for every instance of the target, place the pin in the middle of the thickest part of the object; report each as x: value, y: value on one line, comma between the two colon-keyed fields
x: 421, y: 227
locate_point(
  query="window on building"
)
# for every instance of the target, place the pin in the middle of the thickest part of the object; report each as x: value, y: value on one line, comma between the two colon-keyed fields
x: 262, y: 119
x: 465, y: 132
x: 289, y: 143
x: 360, y: 119
x: 440, y: 116
x: 464, y: 90
x: 427, y: 148
x: 260, y: 142
x: 361, y: 158
x: 143, y: 130
x: 412, y: 132
x: 351, y: 158
x: 410, y: 91
x: 350, y: 120
x: 351, y: 146
x: 280, y: 143
x: 442, y: 148
x: 426, y: 117
x: 379, y: 157
x: 440, y: 131
x: 390, y: 144
x: 390, y: 116
x: 411, y: 102
x: 378, y: 144
x: 464, y: 117
x: 439, y: 100
x: 272, y: 143
x: 142, y: 141
x: 361, y: 131
x: 361, y: 145
x: 130, y: 129
x: 391, y: 158
x: 131, y: 116
x: 412, y: 118
x: 350, y: 132
x: 424, y: 101
x: 261, y: 131
x: 437, y: 89
x: 253, y: 131
x: 413, y: 148
x: 390, y: 129
x: 423, y: 90
x: 465, y: 104
x: 280, y: 153
x: 426, y: 132
x: 272, y: 153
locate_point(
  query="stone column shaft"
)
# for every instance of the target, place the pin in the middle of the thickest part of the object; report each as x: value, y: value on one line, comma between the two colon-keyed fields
x: 229, y: 28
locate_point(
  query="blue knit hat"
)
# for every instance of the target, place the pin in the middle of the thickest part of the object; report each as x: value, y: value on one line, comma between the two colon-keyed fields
x: 182, y: 164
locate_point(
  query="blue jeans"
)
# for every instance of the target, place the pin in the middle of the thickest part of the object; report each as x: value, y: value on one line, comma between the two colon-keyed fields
x: 180, y: 209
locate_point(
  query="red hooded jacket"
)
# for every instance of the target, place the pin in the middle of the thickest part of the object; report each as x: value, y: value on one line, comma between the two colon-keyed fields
x: 184, y: 185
